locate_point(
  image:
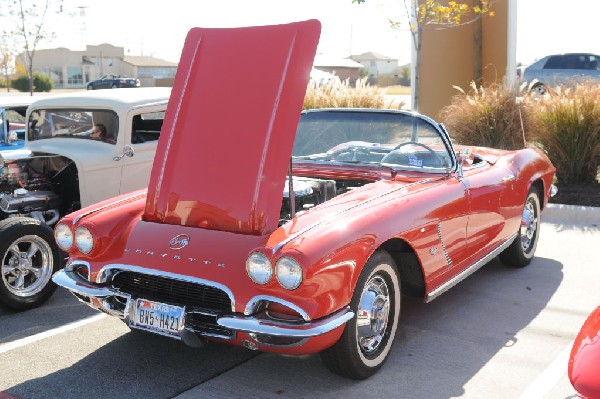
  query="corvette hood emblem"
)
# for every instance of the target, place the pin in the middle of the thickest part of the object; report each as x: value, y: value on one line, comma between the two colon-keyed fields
x: 179, y: 241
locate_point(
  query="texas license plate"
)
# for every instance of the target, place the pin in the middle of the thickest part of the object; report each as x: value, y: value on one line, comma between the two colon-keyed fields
x: 158, y: 317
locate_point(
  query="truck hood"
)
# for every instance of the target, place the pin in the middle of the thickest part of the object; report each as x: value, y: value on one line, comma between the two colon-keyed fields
x: 230, y: 126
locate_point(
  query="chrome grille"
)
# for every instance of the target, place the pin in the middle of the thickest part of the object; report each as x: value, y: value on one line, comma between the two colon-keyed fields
x: 172, y: 291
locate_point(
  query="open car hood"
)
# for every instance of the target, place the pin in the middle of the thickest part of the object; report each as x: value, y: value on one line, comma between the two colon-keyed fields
x: 229, y: 128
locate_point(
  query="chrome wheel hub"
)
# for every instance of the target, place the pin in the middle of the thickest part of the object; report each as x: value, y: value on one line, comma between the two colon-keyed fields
x: 27, y: 266
x: 529, y: 222
x: 373, y: 314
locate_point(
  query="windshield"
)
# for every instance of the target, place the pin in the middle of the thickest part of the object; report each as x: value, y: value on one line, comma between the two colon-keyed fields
x: 99, y: 125
x: 360, y: 137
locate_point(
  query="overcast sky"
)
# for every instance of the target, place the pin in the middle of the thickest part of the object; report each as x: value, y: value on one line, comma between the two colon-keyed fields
x: 158, y: 28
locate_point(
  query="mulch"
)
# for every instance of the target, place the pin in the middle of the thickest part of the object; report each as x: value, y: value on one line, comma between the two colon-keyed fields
x: 577, y: 194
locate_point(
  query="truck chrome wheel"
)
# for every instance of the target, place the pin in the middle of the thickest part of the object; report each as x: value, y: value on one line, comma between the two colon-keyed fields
x: 27, y: 266
x: 29, y: 256
x: 372, y: 314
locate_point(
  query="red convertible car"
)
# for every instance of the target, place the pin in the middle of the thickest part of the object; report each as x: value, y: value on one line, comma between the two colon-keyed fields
x: 295, y: 233
x: 584, y: 363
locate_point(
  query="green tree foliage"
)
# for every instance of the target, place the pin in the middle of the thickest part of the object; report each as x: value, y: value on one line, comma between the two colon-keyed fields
x: 41, y: 83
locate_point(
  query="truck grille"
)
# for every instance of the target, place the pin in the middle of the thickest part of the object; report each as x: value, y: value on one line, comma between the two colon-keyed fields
x: 171, y: 291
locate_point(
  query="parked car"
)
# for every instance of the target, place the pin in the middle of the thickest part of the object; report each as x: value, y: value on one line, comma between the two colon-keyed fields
x: 376, y: 204
x: 560, y: 69
x: 12, y: 121
x: 584, y: 363
x: 61, y: 168
x: 112, y: 82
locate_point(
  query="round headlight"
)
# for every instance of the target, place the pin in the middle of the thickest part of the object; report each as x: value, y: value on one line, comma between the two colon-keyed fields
x: 84, y: 240
x: 63, y: 236
x: 259, y: 268
x: 288, y: 272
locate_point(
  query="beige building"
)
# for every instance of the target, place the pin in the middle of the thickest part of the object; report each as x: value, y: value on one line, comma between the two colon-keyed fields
x: 382, y: 70
x: 449, y: 57
x: 74, y: 69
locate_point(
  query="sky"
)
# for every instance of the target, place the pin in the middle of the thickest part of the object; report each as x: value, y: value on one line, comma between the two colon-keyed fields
x: 158, y: 28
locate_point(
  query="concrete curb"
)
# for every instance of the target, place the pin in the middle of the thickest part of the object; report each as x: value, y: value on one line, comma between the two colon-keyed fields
x: 572, y: 214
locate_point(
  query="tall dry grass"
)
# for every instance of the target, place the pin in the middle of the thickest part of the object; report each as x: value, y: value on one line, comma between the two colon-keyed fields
x: 336, y: 94
x: 567, y: 127
x: 564, y: 123
x: 488, y: 117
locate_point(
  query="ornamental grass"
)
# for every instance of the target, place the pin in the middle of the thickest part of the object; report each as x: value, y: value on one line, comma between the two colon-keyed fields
x: 567, y: 128
x: 335, y: 94
x: 488, y: 117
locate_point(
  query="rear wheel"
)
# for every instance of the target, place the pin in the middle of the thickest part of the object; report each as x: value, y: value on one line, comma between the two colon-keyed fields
x: 521, y: 251
x: 368, y: 337
x: 29, y: 257
x: 90, y: 87
x: 114, y: 86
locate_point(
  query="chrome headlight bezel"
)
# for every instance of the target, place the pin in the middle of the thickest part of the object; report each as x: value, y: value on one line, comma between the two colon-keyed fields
x: 63, y: 236
x: 288, y: 272
x: 84, y: 240
x: 259, y: 268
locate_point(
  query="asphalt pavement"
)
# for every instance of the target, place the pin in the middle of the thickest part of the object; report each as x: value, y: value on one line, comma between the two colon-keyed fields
x: 502, y: 333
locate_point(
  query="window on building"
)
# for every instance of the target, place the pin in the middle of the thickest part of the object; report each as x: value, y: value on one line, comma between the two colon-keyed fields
x: 74, y: 75
x: 55, y: 74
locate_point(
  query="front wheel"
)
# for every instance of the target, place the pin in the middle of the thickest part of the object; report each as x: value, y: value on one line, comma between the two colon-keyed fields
x: 368, y: 337
x: 521, y: 251
x: 29, y: 257
x: 90, y: 87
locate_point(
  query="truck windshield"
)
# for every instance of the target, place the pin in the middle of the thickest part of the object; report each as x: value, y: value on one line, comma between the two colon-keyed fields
x: 100, y: 125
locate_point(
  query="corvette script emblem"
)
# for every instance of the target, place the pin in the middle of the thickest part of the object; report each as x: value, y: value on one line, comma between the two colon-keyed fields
x: 179, y: 241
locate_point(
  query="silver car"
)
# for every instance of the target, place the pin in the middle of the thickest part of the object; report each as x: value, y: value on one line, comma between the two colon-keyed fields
x: 561, y: 69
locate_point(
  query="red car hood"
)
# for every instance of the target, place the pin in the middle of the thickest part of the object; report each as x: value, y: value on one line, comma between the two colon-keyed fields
x: 230, y: 126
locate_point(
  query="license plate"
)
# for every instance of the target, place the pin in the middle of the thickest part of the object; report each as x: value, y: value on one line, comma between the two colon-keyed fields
x: 158, y: 317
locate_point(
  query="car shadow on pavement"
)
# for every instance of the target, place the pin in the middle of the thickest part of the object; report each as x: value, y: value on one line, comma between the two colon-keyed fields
x: 439, y: 348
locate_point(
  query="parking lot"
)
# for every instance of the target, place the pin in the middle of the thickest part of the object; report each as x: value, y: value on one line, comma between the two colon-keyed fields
x: 502, y: 333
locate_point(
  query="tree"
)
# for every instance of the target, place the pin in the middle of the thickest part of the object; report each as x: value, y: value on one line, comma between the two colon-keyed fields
x: 26, y: 27
x: 8, y: 53
x: 437, y: 15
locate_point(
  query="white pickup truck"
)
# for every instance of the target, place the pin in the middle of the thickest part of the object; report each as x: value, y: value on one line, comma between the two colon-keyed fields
x: 80, y: 148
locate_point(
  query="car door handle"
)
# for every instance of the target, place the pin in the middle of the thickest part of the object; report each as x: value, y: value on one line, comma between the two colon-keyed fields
x: 127, y: 152
x: 508, y: 178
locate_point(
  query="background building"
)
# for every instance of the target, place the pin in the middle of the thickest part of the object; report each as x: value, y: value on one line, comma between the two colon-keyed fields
x: 74, y: 69
x: 344, y: 68
x: 382, y: 70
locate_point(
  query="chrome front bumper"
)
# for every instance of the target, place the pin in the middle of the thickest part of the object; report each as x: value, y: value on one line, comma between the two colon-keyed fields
x: 120, y: 304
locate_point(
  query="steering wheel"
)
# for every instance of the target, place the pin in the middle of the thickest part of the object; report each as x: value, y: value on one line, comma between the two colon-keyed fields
x: 439, y: 159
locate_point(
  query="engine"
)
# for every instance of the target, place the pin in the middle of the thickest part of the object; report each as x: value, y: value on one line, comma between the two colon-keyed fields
x: 30, y: 186
x: 310, y: 192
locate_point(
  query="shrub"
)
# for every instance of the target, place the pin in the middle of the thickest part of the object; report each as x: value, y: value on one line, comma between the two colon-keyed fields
x: 567, y: 128
x: 41, y: 83
x: 335, y: 94
x: 487, y: 117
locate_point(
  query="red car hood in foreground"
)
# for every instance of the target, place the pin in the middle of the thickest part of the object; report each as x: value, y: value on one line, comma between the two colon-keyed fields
x: 242, y: 150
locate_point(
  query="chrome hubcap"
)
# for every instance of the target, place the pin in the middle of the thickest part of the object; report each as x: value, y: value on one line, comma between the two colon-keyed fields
x: 373, y: 314
x: 529, y: 222
x: 27, y: 266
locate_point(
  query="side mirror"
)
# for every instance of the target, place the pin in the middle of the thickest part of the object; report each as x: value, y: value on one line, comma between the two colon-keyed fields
x: 464, y: 157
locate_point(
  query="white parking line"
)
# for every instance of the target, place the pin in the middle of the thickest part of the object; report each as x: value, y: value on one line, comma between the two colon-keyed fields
x: 46, y: 334
x: 549, y: 377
